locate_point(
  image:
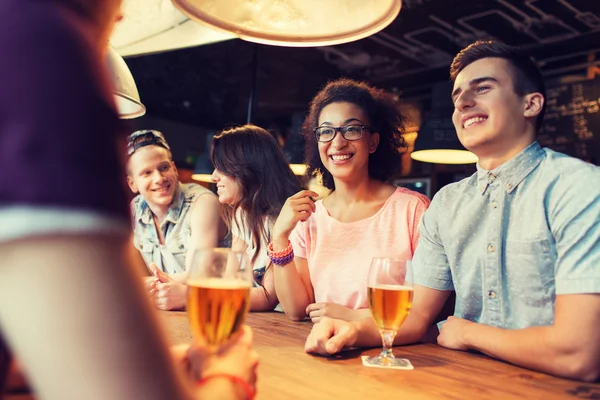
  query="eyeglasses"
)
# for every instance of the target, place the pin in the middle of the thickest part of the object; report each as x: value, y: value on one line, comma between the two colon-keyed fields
x: 144, y: 138
x: 352, y: 132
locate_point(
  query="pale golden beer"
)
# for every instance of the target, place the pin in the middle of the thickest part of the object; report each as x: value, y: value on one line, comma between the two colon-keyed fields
x: 217, y: 307
x: 389, y: 304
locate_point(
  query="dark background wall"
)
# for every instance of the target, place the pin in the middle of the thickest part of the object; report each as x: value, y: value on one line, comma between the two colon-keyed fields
x: 198, y: 91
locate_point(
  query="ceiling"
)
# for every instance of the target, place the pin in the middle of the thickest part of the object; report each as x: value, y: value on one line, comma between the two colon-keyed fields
x: 209, y: 85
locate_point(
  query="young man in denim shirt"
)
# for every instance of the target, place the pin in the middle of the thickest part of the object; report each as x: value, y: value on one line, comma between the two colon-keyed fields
x: 519, y: 241
x: 170, y: 219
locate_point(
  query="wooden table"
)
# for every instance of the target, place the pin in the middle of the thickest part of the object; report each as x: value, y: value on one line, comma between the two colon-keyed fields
x: 287, y: 372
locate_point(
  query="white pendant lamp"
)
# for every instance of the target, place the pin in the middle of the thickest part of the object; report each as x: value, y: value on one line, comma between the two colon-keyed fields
x: 152, y: 26
x: 296, y: 23
x: 437, y: 141
x: 125, y: 91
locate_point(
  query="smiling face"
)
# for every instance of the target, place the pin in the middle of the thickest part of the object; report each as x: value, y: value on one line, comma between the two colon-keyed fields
x: 152, y: 174
x: 489, y: 117
x: 346, y: 160
x: 228, y: 188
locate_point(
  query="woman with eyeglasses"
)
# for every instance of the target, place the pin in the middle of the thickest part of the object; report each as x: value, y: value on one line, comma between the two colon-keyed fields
x: 254, y: 180
x: 72, y: 308
x: 323, y: 249
x: 170, y: 219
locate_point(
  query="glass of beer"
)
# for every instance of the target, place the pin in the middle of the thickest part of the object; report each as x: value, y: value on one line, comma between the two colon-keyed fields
x: 390, y: 293
x: 218, y: 296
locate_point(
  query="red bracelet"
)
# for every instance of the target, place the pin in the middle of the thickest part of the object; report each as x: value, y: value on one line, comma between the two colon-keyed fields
x: 278, y: 254
x: 248, y: 391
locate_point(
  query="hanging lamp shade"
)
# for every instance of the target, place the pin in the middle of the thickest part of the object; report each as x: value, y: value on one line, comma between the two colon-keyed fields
x: 295, y: 23
x: 437, y: 141
x: 125, y: 91
x: 204, y: 168
x: 152, y: 26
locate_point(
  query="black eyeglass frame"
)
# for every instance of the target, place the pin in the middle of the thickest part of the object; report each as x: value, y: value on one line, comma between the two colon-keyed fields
x: 342, y: 130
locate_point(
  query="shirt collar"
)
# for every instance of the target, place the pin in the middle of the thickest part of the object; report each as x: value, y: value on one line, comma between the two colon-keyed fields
x: 174, y: 209
x: 511, y: 173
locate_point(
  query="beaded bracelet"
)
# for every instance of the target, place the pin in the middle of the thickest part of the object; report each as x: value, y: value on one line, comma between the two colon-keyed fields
x: 283, y: 257
x: 249, y: 392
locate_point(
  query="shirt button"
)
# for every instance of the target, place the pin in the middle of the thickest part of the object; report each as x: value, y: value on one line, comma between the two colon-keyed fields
x: 508, y: 186
x: 494, y: 204
x: 491, y: 294
x: 491, y: 248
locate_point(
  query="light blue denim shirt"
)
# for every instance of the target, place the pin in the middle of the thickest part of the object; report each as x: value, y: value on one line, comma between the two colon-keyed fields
x: 511, y: 239
x: 176, y: 229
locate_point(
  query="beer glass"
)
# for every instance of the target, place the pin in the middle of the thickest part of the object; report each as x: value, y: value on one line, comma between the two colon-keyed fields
x: 218, y: 296
x: 390, y: 293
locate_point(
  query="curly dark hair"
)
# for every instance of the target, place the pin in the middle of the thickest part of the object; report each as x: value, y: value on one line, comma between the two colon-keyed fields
x: 385, y: 118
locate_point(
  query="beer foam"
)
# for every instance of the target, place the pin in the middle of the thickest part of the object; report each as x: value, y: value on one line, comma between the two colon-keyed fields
x: 220, y: 283
x: 391, y: 287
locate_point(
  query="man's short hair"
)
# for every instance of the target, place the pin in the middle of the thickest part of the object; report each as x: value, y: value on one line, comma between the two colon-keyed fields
x: 527, y: 77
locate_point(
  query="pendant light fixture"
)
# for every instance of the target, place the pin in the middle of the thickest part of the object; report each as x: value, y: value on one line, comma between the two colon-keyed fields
x: 437, y: 141
x: 125, y: 91
x: 153, y: 26
x: 294, y: 23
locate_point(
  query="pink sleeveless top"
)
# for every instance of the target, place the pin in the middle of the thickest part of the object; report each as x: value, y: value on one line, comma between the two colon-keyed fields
x: 339, y: 254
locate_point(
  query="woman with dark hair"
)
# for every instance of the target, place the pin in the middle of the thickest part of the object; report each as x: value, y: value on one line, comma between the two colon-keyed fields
x: 324, y: 248
x: 254, y: 180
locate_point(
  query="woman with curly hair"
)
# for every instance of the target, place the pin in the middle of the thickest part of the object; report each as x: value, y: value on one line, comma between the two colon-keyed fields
x: 324, y: 248
x: 253, y: 180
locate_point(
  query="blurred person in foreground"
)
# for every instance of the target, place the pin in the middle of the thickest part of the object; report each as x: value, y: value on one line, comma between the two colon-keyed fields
x: 519, y: 241
x: 70, y: 303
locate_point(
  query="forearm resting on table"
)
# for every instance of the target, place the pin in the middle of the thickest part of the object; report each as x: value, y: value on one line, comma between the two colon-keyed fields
x: 427, y: 304
x: 289, y: 285
x: 291, y: 291
x: 569, y: 348
x: 411, y: 331
x: 360, y: 314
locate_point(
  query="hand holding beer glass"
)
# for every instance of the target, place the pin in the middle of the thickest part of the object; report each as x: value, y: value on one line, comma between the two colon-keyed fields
x: 390, y: 293
x: 218, y: 294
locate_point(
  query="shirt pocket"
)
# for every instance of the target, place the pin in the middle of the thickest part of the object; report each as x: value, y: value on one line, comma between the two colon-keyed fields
x: 177, y: 245
x: 146, y: 248
x: 530, y: 272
